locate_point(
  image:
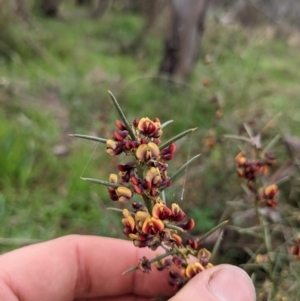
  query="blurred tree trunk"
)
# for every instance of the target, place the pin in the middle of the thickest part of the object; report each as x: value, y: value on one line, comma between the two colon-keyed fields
x: 100, y: 8
x: 49, y: 7
x: 182, y: 43
x: 150, y: 11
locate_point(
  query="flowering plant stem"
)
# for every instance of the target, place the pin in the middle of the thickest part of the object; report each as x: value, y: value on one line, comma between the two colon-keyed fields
x: 93, y: 138
x: 267, y: 243
x: 101, y: 182
x: 210, y: 232
x: 152, y: 223
x: 157, y: 258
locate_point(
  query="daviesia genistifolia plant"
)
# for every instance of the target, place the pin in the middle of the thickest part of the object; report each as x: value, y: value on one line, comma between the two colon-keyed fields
x: 148, y: 219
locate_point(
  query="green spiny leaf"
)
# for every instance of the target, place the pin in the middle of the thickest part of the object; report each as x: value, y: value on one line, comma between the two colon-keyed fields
x: 272, y: 143
x: 182, y: 168
x: 105, y: 183
x: 166, y: 123
x: 122, y: 115
x: 216, y: 246
x: 177, y: 137
x: 210, y: 232
x: 93, y: 138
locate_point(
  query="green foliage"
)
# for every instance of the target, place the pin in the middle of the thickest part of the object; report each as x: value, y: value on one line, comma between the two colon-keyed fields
x: 7, y: 36
x: 16, y: 161
x: 121, y: 28
x: 42, y: 188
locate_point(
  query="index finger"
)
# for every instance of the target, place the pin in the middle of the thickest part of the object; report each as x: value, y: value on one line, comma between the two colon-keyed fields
x: 80, y: 267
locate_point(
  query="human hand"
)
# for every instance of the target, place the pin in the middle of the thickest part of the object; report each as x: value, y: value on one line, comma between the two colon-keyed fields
x: 90, y: 268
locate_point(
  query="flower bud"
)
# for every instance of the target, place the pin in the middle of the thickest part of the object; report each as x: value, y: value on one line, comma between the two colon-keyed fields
x: 165, y: 183
x: 135, y: 122
x: 124, y: 194
x: 113, y: 148
x: 271, y: 190
x: 193, y: 268
x: 120, y: 135
x: 129, y: 144
x: 138, y: 189
x: 135, y: 180
x: 240, y: 159
x: 148, y: 151
x: 152, y: 225
x: 189, y: 225
x: 204, y: 256
x: 137, y: 206
x: 177, y: 213
x: 112, y: 194
x: 153, y: 176
x: 161, y: 211
x: 121, y: 126
x: 168, y: 152
x: 147, y: 127
x: 268, y: 196
x: 177, y: 239
x: 113, y: 178
x: 140, y: 218
x: 128, y: 221
x: 193, y: 243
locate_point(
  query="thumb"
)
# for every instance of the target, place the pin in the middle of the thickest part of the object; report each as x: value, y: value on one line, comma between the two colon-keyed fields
x: 220, y: 283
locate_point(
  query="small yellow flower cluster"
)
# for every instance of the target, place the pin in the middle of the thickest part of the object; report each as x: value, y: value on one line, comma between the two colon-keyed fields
x: 153, y: 230
x: 186, y: 270
x: 152, y: 223
x: 249, y: 169
x: 147, y: 134
x: 267, y: 196
x: 147, y: 174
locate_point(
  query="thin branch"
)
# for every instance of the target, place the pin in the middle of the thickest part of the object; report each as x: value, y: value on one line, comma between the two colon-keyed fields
x: 93, y: 138
x: 101, y: 182
x: 132, y: 269
x: 122, y: 115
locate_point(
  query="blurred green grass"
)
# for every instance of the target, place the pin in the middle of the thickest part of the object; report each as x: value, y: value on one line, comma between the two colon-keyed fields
x: 54, y: 79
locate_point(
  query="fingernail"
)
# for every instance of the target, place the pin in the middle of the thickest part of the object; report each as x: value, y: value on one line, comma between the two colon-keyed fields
x: 232, y: 284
